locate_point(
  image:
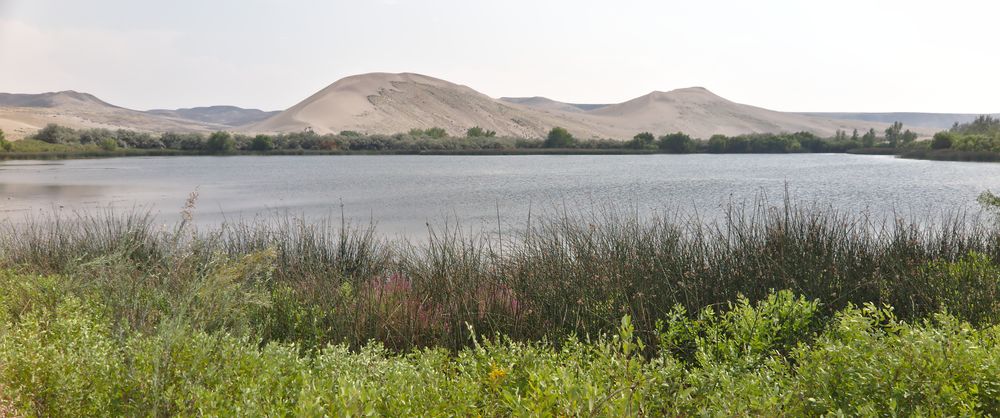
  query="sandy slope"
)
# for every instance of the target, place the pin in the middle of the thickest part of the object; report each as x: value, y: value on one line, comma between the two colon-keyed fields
x: 543, y: 103
x: 24, y: 114
x: 391, y: 103
x: 700, y: 113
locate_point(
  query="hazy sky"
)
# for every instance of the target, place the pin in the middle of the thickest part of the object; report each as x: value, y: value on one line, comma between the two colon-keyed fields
x: 801, y: 55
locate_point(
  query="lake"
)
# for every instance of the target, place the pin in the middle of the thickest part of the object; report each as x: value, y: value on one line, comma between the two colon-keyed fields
x: 404, y: 193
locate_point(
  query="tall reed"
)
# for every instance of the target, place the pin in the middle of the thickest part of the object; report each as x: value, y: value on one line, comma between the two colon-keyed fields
x: 329, y: 281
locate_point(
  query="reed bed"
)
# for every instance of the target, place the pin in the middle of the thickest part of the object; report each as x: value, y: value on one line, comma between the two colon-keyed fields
x: 314, y: 283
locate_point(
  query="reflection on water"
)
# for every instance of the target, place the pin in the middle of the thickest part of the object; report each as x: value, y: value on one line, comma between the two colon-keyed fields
x: 52, y: 192
x: 403, y: 193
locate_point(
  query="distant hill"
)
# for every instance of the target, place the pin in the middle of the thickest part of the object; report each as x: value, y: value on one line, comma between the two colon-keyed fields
x: 22, y: 115
x: 938, y: 121
x: 387, y: 103
x: 67, y: 98
x: 391, y: 103
x: 220, y: 115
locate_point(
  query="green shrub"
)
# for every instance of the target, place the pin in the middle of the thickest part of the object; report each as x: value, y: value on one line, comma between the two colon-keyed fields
x: 108, y: 144
x: 942, y: 140
x: 56, y: 134
x: 262, y: 143
x: 477, y: 132
x: 5, y: 145
x: 220, y: 142
x: 60, y: 356
x: 559, y: 137
x: 676, y: 143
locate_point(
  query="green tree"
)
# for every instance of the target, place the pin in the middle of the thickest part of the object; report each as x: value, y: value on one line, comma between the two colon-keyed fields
x: 262, y: 143
x: 854, y: 136
x: 220, y: 141
x: 718, y: 144
x: 559, y: 137
x: 869, y: 138
x: 5, y: 145
x: 643, y: 140
x: 477, y: 132
x: 894, y: 134
x: 942, y: 140
x: 676, y: 143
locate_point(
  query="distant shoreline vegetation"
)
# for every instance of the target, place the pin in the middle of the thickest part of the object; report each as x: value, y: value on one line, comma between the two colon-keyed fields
x: 975, y: 141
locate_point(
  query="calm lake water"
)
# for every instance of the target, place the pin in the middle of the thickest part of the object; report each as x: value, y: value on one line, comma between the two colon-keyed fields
x: 403, y: 193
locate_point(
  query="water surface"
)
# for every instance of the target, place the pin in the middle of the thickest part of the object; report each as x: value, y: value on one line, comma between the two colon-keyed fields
x: 403, y: 193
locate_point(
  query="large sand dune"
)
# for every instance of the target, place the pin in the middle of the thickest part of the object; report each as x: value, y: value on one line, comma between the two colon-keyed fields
x: 391, y: 103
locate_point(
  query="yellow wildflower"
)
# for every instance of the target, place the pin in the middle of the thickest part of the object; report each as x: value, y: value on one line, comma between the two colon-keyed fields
x: 496, y: 373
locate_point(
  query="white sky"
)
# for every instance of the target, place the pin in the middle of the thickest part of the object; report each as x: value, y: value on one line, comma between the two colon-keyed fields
x: 795, y: 55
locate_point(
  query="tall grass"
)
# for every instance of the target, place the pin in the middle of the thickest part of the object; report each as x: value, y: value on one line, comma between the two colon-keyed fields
x: 314, y: 283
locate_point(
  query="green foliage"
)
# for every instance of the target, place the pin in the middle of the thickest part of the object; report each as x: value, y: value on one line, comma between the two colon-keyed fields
x: 262, y: 143
x: 108, y: 144
x: 435, y: 132
x: 477, y: 132
x: 5, y: 145
x: 56, y: 134
x: 894, y: 133
x: 559, y: 137
x: 868, y: 139
x: 613, y: 316
x: 33, y: 146
x: 644, y: 140
x: 476, y: 140
x: 942, y: 140
x: 777, y: 357
x: 676, y: 143
x: 220, y: 142
x: 989, y: 200
x: 968, y: 287
x: 983, y: 125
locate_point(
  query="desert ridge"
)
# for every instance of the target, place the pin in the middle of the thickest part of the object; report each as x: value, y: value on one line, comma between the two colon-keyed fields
x: 387, y: 103
x: 383, y: 103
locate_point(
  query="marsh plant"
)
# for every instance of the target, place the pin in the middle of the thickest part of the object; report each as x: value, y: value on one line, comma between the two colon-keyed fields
x: 782, y: 309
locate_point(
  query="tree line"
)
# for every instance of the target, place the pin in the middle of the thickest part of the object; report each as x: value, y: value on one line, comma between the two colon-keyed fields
x: 981, y: 134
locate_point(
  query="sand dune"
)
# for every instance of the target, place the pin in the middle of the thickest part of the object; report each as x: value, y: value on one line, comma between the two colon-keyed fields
x: 391, y: 103
x: 701, y: 113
